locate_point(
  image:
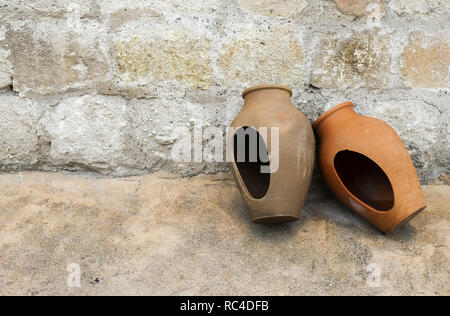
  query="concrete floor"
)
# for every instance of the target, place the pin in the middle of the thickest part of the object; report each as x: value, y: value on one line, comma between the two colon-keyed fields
x: 158, y: 235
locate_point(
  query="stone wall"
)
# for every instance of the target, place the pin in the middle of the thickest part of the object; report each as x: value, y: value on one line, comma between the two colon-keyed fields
x: 101, y: 85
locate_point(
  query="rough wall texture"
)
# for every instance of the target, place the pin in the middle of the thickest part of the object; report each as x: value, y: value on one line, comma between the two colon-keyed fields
x: 102, y: 84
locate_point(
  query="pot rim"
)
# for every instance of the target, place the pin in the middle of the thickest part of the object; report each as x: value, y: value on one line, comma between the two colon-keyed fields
x: 331, y: 111
x: 267, y: 86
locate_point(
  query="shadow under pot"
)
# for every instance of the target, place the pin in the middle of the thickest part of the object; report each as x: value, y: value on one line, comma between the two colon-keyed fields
x: 366, y: 165
x: 272, y: 148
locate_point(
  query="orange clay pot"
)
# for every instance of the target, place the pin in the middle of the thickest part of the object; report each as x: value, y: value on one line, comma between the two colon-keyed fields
x: 278, y: 196
x: 366, y: 165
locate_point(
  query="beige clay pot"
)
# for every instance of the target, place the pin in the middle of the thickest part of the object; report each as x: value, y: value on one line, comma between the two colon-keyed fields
x: 278, y: 196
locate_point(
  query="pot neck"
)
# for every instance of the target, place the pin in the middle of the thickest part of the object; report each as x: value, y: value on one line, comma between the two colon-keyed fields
x: 335, y: 117
x: 267, y: 95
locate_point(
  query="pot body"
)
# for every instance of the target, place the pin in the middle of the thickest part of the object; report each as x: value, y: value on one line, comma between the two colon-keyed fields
x: 367, y: 166
x: 278, y: 196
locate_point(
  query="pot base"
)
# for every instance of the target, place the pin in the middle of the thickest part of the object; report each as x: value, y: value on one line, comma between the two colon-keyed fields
x: 406, y: 220
x: 279, y: 219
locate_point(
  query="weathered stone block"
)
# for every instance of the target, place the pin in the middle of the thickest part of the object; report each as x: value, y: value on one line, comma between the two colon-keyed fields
x: 18, y: 135
x: 423, y: 128
x: 121, y: 12
x: 360, y: 8
x: 5, y: 78
x: 87, y: 131
x: 163, y: 55
x: 19, y: 9
x: 275, y: 8
x: 5, y: 65
x: 420, y: 7
x: 175, y: 7
x: 52, y: 56
x: 157, y: 125
x: 426, y: 61
x: 255, y: 57
x: 361, y: 61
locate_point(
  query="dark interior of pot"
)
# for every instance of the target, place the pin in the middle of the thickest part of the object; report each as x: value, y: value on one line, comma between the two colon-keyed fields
x: 250, y: 155
x: 365, y: 179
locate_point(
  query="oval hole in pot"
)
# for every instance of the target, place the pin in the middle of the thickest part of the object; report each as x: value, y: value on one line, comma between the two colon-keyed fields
x: 365, y: 179
x: 246, y: 141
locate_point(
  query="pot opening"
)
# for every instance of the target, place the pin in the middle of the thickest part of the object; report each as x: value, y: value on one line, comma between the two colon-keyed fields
x: 321, y: 118
x: 365, y: 180
x: 250, y: 155
x: 267, y: 86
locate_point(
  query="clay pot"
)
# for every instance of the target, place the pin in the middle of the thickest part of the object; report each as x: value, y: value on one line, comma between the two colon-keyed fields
x: 274, y: 186
x: 366, y: 165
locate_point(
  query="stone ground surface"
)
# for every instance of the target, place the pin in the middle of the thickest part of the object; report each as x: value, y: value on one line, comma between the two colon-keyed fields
x: 160, y: 235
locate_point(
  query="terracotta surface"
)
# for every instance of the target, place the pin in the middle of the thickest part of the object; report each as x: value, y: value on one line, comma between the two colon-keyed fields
x: 278, y: 196
x: 366, y: 165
